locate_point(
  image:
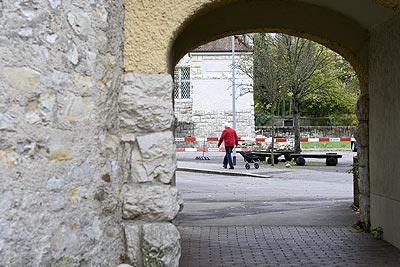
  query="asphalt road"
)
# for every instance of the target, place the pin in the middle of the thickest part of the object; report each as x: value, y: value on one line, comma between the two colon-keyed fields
x: 311, y: 195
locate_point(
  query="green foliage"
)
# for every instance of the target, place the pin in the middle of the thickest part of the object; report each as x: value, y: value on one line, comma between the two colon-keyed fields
x: 376, y: 233
x: 336, y: 100
x: 360, y: 226
x: 355, y: 171
x: 325, y: 145
x: 297, y: 77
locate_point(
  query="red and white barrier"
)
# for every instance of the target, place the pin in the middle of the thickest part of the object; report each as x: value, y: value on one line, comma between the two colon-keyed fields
x: 257, y: 139
x: 211, y: 149
x: 264, y: 139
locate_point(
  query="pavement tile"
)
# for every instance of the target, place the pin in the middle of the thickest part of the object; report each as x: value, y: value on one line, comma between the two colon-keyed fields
x: 285, y: 245
x: 273, y: 246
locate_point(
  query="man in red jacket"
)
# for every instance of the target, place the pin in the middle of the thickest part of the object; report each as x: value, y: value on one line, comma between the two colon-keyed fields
x: 230, y: 139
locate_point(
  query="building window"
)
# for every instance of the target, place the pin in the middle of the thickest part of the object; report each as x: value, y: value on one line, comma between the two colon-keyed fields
x: 182, y: 82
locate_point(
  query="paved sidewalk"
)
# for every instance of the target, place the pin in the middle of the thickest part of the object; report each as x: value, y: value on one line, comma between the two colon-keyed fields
x: 291, y: 230
x: 250, y: 246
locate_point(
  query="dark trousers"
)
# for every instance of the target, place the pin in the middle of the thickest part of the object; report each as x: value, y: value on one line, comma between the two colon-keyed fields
x: 228, y: 157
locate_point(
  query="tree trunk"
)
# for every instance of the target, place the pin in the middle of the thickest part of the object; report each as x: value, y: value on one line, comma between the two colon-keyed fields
x: 273, y: 136
x: 296, y: 127
x: 284, y: 108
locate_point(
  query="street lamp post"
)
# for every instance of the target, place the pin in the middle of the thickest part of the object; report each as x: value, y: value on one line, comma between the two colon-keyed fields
x: 233, y: 95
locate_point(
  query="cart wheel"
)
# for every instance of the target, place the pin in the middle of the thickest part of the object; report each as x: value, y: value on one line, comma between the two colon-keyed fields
x: 247, y: 166
x: 331, y: 161
x: 256, y: 165
x: 300, y: 161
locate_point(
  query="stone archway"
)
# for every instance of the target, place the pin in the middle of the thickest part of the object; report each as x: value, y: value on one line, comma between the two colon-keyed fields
x: 158, y: 34
x: 281, y: 16
x: 152, y: 126
x: 86, y: 109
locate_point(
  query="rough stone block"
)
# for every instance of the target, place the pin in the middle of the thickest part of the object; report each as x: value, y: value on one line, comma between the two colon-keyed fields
x: 60, y: 146
x: 146, y: 103
x: 161, y: 245
x: 133, y: 244
x: 41, y: 110
x: 148, y: 157
x: 78, y: 108
x: 25, y: 79
x: 362, y: 134
x: 65, y: 241
x: 362, y: 108
x: 363, y: 156
x: 155, y: 157
x: 151, y: 202
x: 54, y: 3
x: 364, y: 181
x: 7, y: 120
x: 9, y: 157
x: 152, y: 244
x: 79, y: 21
x: 364, y: 215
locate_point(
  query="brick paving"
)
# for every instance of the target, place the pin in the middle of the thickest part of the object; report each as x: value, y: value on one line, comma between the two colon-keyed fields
x: 250, y: 246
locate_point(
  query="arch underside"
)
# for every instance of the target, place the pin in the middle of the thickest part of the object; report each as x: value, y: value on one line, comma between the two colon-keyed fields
x: 319, y: 24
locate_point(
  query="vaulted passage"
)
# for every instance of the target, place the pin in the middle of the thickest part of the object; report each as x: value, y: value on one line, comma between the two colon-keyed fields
x: 86, y: 117
x: 355, y: 30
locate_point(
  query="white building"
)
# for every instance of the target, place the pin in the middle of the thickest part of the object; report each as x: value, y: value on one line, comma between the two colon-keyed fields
x: 203, y: 91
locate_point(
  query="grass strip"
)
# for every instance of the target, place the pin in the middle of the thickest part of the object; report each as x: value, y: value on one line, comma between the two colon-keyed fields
x: 325, y: 145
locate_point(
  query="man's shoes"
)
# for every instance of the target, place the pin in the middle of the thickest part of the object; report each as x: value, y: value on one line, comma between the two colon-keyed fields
x: 231, y: 167
x: 224, y: 166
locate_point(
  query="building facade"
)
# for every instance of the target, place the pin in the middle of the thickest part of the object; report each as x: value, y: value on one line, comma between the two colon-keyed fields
x: 203, y: 90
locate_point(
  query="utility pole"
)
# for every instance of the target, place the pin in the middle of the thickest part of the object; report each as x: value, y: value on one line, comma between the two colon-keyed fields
x: 233, y: 95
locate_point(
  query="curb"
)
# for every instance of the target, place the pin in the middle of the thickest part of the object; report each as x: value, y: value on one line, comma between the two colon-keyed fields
x: 227, y: 173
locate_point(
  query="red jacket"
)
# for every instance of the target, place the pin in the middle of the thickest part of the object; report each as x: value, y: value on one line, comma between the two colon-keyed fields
x: 229, y: 137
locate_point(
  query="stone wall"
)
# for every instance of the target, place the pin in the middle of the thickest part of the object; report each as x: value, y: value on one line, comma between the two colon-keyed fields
x: 310, y: 131
x: 60, y: 73
x: 211, y: 123
x: 183, y: 110
x: 184, y: 129
x: 384, y: 130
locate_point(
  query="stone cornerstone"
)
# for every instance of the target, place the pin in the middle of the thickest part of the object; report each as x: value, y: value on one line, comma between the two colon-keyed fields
x: 150, y: 200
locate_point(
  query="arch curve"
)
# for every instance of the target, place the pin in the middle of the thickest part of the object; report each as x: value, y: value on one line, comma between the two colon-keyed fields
x: 325, y: 26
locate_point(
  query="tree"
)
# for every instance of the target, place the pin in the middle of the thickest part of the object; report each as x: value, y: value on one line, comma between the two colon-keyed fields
x: 315, y: 80
x: 267, y: 85
x: 336, y: 100
x: 267, y: 79
x: 302, y: 63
